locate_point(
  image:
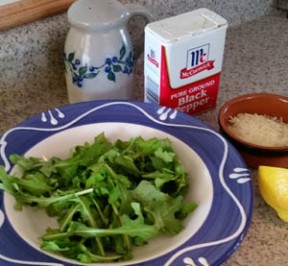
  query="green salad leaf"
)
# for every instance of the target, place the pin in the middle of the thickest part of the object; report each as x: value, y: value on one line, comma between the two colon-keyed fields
x: 107, y: 197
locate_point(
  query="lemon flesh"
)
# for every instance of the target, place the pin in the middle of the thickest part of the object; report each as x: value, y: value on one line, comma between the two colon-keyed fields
x: 273, y: 186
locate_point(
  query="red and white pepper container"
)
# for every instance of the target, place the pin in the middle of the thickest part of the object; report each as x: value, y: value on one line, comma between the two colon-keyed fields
x: 183, y: 60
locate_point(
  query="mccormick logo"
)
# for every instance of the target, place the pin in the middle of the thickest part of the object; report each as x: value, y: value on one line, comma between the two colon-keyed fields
x: 197, y: 61
x: 152, y: 58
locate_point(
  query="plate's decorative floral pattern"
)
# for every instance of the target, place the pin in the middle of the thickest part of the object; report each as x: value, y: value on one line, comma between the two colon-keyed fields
x: 241, y: 175
x: 52, y: 117
x: 211, y: 245
x: 190, y: 262
x: 165, y: 112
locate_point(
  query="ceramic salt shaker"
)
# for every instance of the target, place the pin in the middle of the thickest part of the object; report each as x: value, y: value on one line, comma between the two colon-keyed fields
x: 98, y: 53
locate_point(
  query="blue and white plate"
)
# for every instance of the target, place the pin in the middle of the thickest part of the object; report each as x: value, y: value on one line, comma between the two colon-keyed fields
x: 219, y: 180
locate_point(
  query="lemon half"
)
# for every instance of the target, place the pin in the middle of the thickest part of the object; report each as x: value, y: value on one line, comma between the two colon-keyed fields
x: 273, y: 186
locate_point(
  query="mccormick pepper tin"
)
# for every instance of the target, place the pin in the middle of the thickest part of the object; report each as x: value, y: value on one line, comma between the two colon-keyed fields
x: 183, y: 60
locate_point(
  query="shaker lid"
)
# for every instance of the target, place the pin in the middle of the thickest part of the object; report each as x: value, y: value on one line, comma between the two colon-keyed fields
x: 96, y: 14
x: 185, y: 25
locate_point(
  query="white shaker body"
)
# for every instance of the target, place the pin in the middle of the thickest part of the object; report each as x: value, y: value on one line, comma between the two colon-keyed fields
x: 98, y: 53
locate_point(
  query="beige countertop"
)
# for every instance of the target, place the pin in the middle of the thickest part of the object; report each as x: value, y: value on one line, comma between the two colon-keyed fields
x: 256, y: 60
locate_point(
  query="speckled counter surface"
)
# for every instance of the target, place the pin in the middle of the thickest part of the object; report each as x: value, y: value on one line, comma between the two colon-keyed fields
x: 256, y: 60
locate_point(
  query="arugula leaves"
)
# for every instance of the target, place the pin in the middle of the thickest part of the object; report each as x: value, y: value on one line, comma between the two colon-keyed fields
x: 107, y: 197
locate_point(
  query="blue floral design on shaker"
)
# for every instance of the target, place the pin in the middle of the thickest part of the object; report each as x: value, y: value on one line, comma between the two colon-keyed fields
x: 112, y: 65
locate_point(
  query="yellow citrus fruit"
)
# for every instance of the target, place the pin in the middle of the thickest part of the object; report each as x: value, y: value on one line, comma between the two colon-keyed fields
x: 273, y: 186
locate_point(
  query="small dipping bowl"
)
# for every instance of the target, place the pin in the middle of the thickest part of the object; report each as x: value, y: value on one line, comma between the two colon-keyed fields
x: 262, y: 104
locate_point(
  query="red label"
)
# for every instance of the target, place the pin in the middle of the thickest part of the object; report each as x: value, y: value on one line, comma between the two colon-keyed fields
x: 187, y: 73
x: 152, y: 60
x: 191, y: 98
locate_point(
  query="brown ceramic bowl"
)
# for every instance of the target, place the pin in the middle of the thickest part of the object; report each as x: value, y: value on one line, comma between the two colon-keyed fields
x: 262, y: 104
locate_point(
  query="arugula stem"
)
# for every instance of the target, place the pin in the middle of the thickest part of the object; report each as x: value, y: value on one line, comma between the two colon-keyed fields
x: 44, y: 202
x: 97, y: 232
x: 68, y: 217
x: 126, y: 238
x: 98, y: 258
x: 92, y: 223
x: 104, y: 220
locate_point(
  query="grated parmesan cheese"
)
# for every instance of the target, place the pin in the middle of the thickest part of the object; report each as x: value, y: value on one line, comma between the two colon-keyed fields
x: 260, y: 129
